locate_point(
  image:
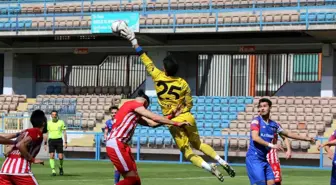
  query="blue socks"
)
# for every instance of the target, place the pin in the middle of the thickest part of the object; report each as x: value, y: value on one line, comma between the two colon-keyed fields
x: 116, y: 176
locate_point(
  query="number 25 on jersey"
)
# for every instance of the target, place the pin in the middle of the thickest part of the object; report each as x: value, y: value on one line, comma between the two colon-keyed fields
x: 168, y: 91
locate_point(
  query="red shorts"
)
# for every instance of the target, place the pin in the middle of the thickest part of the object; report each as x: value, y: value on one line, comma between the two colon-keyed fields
x: 277, y: 172
x: 121, y: 156
x: 17, y: 180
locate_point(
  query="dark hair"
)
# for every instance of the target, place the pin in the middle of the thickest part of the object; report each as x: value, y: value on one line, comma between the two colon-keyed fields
x: 38, y: 119
x: 170, y: 65
x: 55, y: 111
x: 113, y: 107
x: 142, y: 94
x: 265, y: 100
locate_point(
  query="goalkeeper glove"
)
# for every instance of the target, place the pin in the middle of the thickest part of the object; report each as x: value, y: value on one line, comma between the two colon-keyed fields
x: 128, y: 34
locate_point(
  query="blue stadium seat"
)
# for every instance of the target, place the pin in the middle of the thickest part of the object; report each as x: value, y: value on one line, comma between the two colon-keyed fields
x: 21, y: 24
x: 136, y: 132
x: 134, y: 140
x: 63, y: 109
x: 208, y: 116
x: 248, y: 100
x: 330, y: 16
x: 208, y: 132
x: 71, y: 109
x: 200, y: 116
x: 200, y: 124
x: 233, y: 108
x: 50, y: 90
x: 208, y: 124
x: 216, y: 123
x: 143, y: 140
x: 154, y: 100
x: 217, y: 132
x: 225, y: 116
x: 216, y: 116
x: 232, y: 100
x: 2, y: 24
x: 3, y: 10
x: 166, y: 132
x: 240, y: 99
x: 52, y: 101
x: 151, y: 132
x: 233, y: 116
x: 200, y: 108
x: 302, y: 17
x: 216, y: 100
x: 13, y: 24
x: 167, y: 140
x: 57, y: 90
x: 208, y: 99
x: 59, y: 100
x: 193, y: 110
x: 201, y: 132
x: 65, y: 100
x: 241, y: 108
x: 321, y: 16
x: 312, y: 17
x: 151, y: 140
x: 201, y: 100
x: 195, y: 99
x: 225, y: 124
x: 8, y: 24
x: 224, y: 100
x: 143, y: 132
x: 159, y: 132
x: 208, y: 108
x: 216, y: 108
x: 159, y: 140
x: 225, y: 108
x: 28, y: 24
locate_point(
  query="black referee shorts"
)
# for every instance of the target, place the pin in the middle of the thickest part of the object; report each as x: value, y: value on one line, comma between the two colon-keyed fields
x: 55, y: 145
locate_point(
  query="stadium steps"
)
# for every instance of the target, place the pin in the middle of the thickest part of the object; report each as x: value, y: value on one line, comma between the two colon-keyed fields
x: 327, y: 133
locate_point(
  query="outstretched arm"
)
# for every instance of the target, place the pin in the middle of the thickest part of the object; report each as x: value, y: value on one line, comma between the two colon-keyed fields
x: 296, y: 136
x: 155, y: 117
x: 288, y: 146
x: 148, y: 122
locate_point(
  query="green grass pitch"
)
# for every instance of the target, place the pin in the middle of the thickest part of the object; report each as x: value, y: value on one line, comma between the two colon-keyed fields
x: 101, y: 173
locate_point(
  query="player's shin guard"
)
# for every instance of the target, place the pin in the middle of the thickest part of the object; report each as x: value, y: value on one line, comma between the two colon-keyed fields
x: 116, y: 176
x: 130, y: 181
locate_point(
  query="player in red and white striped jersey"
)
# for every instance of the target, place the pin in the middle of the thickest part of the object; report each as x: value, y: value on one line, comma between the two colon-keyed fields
x: 273, y: 159
x: 16, y: 170
x: 125, y: 122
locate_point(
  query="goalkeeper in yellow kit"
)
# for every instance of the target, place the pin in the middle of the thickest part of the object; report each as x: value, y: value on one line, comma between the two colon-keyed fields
x: 172, y: 92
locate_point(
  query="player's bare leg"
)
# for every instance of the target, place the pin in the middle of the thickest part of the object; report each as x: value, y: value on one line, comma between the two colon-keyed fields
x: 270, y: 182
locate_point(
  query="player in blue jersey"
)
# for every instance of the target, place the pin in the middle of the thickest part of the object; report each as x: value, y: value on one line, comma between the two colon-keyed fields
x: 331, y: 155
x: 263, y: 130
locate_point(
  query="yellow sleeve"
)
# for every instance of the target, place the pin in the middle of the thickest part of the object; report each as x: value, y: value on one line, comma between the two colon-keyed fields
x: 188, y: 99
x: 63, y: 125
x: 150, y: 67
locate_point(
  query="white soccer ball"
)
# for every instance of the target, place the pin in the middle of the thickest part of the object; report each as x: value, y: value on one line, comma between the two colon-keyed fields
x: 118, y: 25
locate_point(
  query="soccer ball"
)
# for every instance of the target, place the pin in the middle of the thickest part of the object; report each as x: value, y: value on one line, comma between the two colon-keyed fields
x: 118, y: 25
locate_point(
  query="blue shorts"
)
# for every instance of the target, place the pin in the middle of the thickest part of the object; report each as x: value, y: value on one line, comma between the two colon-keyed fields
x: 258, y: 171
x: 333, y: 174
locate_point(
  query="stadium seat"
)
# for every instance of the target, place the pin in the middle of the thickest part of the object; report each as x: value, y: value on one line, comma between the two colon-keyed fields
x: 216, y: 108
x: 143, y: 140
x: 167, y: 141
x: 151, y: 140
x: 159, y: 140
x: 208, y: 107
x: 200, y: 108
x: 201, y: 100
x: 225, y: 108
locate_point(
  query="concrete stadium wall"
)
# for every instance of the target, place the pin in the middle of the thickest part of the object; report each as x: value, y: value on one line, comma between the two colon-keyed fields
x: 300, y: 89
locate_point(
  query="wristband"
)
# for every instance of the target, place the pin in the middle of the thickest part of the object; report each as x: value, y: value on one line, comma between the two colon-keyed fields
x: 32, y: 160
x: 270, y: 145
x: 139, y: 50
x: 170, y: 116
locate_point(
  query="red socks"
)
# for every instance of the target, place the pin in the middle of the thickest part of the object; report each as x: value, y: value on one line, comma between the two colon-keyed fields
x: 130, y: 181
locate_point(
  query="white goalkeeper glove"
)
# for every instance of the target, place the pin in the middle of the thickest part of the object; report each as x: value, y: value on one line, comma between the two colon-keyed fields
x: 128, y: 34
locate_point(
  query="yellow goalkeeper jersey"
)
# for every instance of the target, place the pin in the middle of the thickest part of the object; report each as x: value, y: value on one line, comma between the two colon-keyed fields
x: 171, y: 91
